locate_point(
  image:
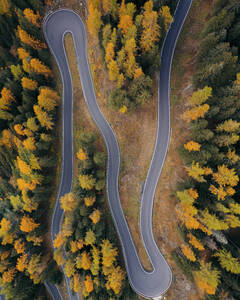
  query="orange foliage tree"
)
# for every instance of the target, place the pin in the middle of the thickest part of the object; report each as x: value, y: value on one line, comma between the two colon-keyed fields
x: 28, y: 224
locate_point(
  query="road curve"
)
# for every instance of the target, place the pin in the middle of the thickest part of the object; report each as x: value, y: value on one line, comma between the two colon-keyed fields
x: 56, y: 25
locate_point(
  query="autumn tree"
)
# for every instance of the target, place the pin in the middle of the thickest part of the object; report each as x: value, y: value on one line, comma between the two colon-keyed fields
x: 82, y: 155
x: 207, y: 278
x: 47, y: 99
x: 19, y: 246
x: 29, y: 84
x: 188, y: 252
x: 87, y: 181
x: 59, y: 240
x: 6, y: 99
x: 32, y: 17
x: 22, y: 263
x: 68, y: 202
x: 85, y: 261
x: 151, y: 29
x: 44, y: 119
x: 94, y: 21
x: 28, y: 224
x: 95, y: 216
x: 108, y: 253
x: 39, y: 67
x: 166, y: 14
x: 5, y: 7
x: 9, y: 275
x: 88, y: 283
x: 90, y: 237
x: 115, y: 280
x: 192, y: 146
x: 29, y: 40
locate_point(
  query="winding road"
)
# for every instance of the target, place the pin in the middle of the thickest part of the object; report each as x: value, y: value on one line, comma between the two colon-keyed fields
x: 56, y: 25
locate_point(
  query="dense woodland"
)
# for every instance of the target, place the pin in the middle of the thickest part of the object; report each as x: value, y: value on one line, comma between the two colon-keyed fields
x: 130, y: 37
x: 27, y: 119
x: 87, y: 231
x: 209, y: 202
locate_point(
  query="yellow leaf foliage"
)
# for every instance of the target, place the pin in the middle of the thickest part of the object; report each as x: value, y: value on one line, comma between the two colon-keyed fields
x: 26, y: 66
x: 187, y: 251
x: 22, y: 263
x: 109, y: 52
x: 68, y: 203
x: 90, y: 237
x: 88, y: 283
x: 195, y: 242
x: 207, y: 278
x: 109, y: 253
x: 5, y: 225
x: 85, y: 261
x: 69, y: 268
x: 6, y: 138
x: 44, y: 119
x: 39, y: 67
x: 77, y: 283
x: 113, y: 70
x: 165, y: 13
x: 226, y: 176
x: 94, y: 21
x: 47, y: 99
x: 228, y: 126
x: 151, y: 29
x: 95, y: 216
x: 6, y: 99
x: 5, y: 7
x: 95, y: 261
x: 22, y: 53
x: 82, y: 155
x: 200, y: 96
x: 23, y: 167
x: 196, y: 172
x: 125, y: 23
x: 19, y: 246
x: 87, y: 181
x: 29, y: 144
x: 9, y: 275
x: 27, y: 224
x: 19, y: 129
x: 59, y: 240
x: 192, y: 146
x: 195, y: 113
x: 29, y: 84
x: 29, y: 40
x: 115, y: 280
x: 31, y: 124
x: 32, y: 17
x: 89, y: 201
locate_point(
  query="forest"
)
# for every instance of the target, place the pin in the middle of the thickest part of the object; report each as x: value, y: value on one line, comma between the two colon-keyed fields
x: 28, y: 110
x: 130, y: 37
x: 209, y: 206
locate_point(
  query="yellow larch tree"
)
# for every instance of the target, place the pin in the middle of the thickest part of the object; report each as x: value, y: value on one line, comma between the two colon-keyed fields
x: 32, y: 125
x: 188, y: 252
x: 95, y: 266
x: 88, y: 283
x: 109, y: 253
x: 228, y: 126
x: 19, y: 129
x: 196, y: 172
x: 94, y: 21
x: 29, y: 84
x: 28, y: 224
x: 109, y: 55
x: 90, y: 237
x: 115, y: 280
x: 47, y: 99
x: 19, y: 246
x: 23, y: 166
x: 29, y: 40
x: 166, y: 14
x: 6, y: 99
x: 22, y: 53
x: 95, y: 216
x: 195, y: 113
x: 125, y: 23
x: 200, y: 96
x: 192, y: 146
x: 113, y: 70
x: 68, y: 202
x: 26, y: 66
x: 35, y: 268
x: 228, y: 262
x: 29, y: 144
x: 226, y: 176
x: 82, y: 155
x: 85, y: 261
x: 32, y: 17
x: 212, y: 221
x: 22, y: 263
x: 87, y: 181
x: 9, y: 275
x: 69, y: 268
x: 77, y: 283
x: 39, y: 67
x: 89, y: 201
x: 207, y: 278
x: 44, y: 119
x: 151, y: 29
x: 59, y: 240
x: 5, y: 7
x: 195, y: 242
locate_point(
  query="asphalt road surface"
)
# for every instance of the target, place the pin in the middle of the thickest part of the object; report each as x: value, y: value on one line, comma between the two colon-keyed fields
x: 148, y: 284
